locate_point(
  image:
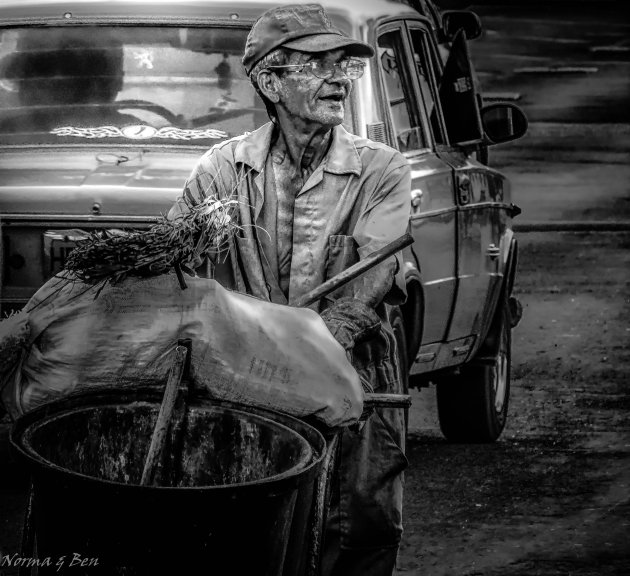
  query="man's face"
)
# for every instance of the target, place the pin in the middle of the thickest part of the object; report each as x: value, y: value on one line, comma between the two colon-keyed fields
x: 315, y: 100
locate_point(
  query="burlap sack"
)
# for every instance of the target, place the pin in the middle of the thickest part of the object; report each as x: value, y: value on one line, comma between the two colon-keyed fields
x: 244, y: 349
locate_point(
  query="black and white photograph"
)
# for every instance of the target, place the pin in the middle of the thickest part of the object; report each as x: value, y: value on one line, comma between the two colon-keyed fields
x: 314, y: 288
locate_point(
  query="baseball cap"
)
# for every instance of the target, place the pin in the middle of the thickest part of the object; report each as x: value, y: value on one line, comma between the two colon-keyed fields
x: 303, y: 27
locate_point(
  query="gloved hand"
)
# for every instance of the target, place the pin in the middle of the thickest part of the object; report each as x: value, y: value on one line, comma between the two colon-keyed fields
x: 351, y: 321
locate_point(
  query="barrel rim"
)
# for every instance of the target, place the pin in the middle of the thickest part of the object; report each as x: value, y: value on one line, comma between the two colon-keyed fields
x: 32, y: 452
x: 105, y: 396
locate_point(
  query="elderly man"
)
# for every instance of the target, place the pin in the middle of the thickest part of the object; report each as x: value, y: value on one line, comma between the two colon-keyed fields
x: 314, y: 199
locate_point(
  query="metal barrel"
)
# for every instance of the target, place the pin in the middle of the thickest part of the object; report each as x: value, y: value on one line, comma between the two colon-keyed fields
x: 234, y: 495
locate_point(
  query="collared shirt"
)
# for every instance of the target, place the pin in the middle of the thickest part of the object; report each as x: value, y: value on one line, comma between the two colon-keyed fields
x: 355, y: 202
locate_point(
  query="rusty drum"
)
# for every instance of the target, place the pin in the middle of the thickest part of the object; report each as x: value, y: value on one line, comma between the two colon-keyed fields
x: 234, y: 486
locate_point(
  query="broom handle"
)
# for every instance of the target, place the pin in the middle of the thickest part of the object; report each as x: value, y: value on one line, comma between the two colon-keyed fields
x: 354, y: 271
x: 158, y: 438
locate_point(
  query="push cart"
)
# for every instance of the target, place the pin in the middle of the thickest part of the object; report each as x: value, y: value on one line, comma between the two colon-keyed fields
x: 248, y: 492
x: 145, y: 480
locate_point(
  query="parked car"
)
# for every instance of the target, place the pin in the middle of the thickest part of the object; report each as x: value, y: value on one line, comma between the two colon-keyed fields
x: 106, y: 106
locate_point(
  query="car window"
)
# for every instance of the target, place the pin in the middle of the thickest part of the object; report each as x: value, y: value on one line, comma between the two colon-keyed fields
x: 422, y: 57
x: 398, y: 87
x: 459, y: 99
x: 104, y: 84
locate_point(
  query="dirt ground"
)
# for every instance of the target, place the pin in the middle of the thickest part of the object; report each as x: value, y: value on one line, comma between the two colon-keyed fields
x: 552, y: 496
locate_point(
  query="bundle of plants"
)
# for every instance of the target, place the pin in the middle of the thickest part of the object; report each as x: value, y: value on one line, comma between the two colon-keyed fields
x: 169, y: 244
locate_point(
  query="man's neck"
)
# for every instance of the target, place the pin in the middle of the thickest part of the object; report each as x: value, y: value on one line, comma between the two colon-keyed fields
x: 303, y: 146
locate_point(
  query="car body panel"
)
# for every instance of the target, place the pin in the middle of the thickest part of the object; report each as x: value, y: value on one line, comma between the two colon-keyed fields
x: 433, y: 223
x: 69, y: 182
x: 483, y: 197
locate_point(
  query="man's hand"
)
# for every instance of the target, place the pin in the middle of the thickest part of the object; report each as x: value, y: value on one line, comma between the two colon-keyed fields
x: 351, y: 321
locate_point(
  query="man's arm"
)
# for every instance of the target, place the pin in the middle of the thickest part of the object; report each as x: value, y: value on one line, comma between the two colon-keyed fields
x: 203, y: 182
x: 384, y: 219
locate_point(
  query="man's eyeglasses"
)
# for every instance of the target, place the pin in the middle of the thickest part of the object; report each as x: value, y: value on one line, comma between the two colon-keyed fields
x: 352, y: 69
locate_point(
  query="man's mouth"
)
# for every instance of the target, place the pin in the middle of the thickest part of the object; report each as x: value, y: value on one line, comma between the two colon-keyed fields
x: 333, y: 97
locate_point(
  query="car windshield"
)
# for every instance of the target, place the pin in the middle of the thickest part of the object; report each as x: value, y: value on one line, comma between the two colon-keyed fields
x: 98, y: 84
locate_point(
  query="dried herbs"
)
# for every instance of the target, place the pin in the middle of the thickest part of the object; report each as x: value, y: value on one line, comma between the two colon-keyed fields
x: 116, y: 254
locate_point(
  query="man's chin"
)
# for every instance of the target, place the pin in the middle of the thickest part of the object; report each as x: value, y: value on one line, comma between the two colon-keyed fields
x: 325, y: 120
x: 331, y: 120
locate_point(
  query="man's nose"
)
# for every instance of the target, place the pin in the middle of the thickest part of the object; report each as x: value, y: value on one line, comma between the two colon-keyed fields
x: 339, y: 77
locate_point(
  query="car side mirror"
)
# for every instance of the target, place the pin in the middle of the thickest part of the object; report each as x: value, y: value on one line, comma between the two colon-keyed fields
x: 503, y: 122
x: 455, y: 20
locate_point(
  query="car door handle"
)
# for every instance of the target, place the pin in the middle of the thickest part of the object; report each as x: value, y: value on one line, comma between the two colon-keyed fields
x: 493, y: 251
x: 464, y: 188
x: 416, y: 198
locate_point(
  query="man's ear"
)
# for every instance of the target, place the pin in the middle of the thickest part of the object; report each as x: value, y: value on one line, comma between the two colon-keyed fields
x: 269, y: 85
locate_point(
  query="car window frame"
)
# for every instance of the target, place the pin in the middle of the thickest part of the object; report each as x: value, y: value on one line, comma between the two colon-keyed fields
x: 384, y: 27
x: 459, y: 47
x: 435, y: 65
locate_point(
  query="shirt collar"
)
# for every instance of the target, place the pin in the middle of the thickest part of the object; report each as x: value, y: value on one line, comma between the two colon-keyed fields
x: 253, y: 148
x: 342, y: 157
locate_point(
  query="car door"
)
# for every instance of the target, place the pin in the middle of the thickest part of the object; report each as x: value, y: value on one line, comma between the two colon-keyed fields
x: 433, y: 207
x: 481, y: 227
x: 482, y: 198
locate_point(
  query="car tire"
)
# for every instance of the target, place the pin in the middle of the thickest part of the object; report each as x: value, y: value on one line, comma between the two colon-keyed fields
x: 398, y: 327
x: 473, y: 404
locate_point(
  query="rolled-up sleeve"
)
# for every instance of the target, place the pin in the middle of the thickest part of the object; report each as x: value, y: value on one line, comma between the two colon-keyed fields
x: 203, y: 181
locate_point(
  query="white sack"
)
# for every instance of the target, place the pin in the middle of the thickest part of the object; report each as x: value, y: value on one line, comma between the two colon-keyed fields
x: 244, y: 349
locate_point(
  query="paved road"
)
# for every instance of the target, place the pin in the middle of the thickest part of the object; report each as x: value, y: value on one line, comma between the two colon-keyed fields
x: 569, y: 172
x: 552, y: 497
x: 568, y: 62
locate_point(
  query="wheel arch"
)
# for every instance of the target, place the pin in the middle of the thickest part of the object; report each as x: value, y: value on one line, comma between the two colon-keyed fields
x: 413, y: 312
x: 490, y: 340
x: 510, y: 266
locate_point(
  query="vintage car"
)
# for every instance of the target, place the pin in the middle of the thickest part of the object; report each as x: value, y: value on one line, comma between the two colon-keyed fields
x: 106, y: 106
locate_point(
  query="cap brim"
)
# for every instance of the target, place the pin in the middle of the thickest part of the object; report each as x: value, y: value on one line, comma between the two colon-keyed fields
x: 326, y: 42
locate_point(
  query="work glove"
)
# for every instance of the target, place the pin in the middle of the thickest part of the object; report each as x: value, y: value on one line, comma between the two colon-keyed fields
x: 351, y: 321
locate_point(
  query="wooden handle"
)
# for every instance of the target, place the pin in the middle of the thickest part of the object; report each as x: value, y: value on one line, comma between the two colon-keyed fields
x: 387, y: 400
x: 164, y: 416
x: 372, y: 401
x: 354, y: 271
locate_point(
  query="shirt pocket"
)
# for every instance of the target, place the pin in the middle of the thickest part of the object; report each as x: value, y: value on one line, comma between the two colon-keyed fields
x: 341, y: 254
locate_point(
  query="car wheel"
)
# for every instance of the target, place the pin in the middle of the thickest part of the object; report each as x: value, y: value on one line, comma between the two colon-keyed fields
x: 398, y: 326
x: 472, y: 405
